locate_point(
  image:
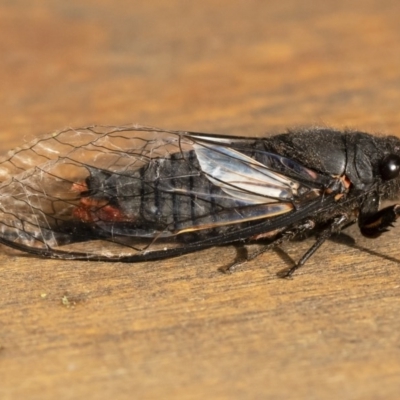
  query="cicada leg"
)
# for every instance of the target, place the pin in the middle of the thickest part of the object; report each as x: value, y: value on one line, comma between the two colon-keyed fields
x: 243, y: 255
x: 376, y: 224
x: 334, y: 227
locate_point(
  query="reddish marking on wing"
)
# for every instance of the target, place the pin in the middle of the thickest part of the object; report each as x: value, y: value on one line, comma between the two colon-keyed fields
x: 110, y: 213
x: 92, y: 210
x: 79, y: 187
x: 82, y: 214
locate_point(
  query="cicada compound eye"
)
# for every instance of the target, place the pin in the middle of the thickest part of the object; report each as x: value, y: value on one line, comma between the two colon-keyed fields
x: 390, y: 167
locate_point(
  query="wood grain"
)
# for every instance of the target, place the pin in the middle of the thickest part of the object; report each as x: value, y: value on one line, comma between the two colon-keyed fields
x: 179, y: 328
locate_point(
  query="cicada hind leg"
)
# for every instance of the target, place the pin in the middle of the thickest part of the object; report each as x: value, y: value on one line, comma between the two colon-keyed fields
x: 274, y: 239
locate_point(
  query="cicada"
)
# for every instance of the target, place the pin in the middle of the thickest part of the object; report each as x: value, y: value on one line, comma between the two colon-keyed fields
x: 134, y: 193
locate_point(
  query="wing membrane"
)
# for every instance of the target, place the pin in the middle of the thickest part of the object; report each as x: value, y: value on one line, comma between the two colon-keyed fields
x: 201, y: 183
x: 242, y: 177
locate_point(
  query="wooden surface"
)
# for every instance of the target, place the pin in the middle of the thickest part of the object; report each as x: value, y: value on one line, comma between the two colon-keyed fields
x: 179, y: 329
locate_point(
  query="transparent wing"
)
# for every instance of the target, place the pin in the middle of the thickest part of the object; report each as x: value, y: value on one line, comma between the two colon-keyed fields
x: 242, y: 177
x: 140, y: 189
x: 269, y: 161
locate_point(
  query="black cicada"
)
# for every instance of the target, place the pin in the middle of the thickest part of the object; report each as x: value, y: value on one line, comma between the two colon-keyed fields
x: 139, y: 194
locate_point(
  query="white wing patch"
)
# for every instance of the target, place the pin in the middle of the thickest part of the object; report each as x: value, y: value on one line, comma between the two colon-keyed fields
x: 242, y: 177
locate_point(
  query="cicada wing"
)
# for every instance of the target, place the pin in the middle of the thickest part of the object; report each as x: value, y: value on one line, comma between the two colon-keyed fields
x: 111, y: 148
x: 242, y: 177
x: 217, y: 184
x: 38, y: 193
x: 271, y: 161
